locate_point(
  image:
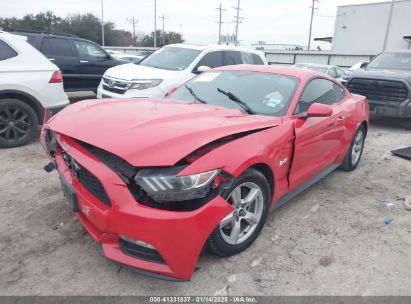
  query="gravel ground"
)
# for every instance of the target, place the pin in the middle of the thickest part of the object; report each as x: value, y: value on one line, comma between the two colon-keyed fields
x: 330, y: 240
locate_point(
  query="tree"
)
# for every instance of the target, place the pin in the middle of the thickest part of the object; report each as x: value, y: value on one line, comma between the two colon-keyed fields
x: 86, y: 26
x: 44, y: 21
x: 170, y: 37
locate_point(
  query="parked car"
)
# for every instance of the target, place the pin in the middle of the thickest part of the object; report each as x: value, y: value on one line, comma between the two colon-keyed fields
x: 170, y: 66
x: 29, y: 84
x: 386, y: 81
x: 331, y: 70
x: 82, y: 62
x: 155, y: 181
x: 348, y: 72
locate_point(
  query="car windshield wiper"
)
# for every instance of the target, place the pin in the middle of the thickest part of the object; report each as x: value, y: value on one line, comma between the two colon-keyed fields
x: 194, y: 94
x: 237, y: 100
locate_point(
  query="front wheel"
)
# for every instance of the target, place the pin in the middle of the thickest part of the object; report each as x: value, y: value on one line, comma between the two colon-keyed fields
x: 353, y: 157
x: 18, y: 123
x: 250, y: 196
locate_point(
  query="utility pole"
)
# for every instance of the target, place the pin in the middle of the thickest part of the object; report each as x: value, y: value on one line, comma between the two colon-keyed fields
x: 236, y: 22
x: 155, y: 23
x: 133, y: 21
x: 163, y: 32
x: 220, y: 22
x: 387, y: 30
x: 311, y: 21
x: 102, y: 23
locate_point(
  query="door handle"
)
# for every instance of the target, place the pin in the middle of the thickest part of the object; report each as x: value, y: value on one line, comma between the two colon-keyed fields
x: 51, y: 59
x: 341, y: 117
x: 83, y: 61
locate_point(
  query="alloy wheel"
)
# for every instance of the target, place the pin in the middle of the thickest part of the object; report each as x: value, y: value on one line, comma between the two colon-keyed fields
x: 239, y: 225
x: 357, y: 148
x: 15, y: 124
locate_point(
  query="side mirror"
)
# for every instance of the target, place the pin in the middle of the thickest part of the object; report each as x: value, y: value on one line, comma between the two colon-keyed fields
x: 171, y: 90
x: 202, y: 68
x: 317, y: 110
x: 364, y: 65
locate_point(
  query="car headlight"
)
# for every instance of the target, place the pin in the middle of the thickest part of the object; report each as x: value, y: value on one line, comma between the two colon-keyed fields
x: 142, y: 84
x: 163, y: 185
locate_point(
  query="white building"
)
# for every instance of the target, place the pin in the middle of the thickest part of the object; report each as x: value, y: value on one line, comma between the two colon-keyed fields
x: 366, y: 28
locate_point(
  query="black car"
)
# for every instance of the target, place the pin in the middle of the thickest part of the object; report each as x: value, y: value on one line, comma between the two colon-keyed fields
x: 82, y: 62
x: 386, y: 82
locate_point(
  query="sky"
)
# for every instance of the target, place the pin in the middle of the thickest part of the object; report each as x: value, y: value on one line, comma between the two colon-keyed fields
x: 272, y: 21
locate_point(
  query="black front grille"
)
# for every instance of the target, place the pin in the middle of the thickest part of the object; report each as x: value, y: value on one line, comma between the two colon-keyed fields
x: 125, y: 170
x: 379, y: 90
x: 141, y: 252
x: 114, y: 90
x: 87, y: 179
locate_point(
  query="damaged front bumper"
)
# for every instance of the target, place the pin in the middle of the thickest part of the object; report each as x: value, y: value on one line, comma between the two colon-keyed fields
x: 174, y: 239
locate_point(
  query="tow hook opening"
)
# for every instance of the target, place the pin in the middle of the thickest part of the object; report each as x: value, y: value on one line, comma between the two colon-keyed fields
x: 49, y: 167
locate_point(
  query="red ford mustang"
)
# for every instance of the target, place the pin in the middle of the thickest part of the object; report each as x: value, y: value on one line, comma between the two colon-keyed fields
x: 156, y: 181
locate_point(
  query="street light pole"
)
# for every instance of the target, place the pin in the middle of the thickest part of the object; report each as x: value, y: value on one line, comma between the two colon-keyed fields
x: 155, y: 23
x: 387, y: 29
x: 311, y: 23
x: 102, y: 23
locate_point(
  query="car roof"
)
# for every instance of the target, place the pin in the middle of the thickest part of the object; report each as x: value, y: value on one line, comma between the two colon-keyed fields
x: 398, y: 52
x: 288, y: 70
x: 202, y: 47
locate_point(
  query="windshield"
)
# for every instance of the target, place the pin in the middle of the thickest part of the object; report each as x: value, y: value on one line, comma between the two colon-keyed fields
x: 170, y: 58
x: 261, y: 93
x: 400, y: 61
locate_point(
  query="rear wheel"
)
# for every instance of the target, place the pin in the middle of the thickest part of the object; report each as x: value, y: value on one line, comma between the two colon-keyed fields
x: 18, y: 123
x: 250, y: 196
x: 353, y: 157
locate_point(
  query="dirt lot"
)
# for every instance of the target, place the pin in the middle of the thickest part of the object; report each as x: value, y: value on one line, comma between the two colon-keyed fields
x: 330, y: 240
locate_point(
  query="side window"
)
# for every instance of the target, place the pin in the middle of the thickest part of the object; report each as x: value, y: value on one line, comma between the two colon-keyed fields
x: 212, y: 60
x: 88, y: 50
x: 6, y: 52
x: 257, y: 59
x: 247, y: 58
x: 340, y: 72
x: 35, y: 41
x: 57, y: 47
x: 319, y: 90
x: 233, y: 58
x: 332, y: 72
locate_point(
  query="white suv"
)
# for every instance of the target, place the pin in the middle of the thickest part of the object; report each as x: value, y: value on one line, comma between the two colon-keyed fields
x: 169, y: 67
x: 29, y: 85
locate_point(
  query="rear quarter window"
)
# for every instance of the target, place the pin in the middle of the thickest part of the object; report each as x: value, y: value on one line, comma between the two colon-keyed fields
x: 6, y: 52
x: 35, y: 41
x: 257, y: 59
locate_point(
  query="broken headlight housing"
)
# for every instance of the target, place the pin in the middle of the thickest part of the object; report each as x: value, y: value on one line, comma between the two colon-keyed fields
x: 163, y: 185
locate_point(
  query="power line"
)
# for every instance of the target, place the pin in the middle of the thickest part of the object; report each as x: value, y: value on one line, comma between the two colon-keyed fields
x: 133, y: 21
x: 163, y: 32
x: 237, y: 20
x: 220, y: 21
x: 311, y: 21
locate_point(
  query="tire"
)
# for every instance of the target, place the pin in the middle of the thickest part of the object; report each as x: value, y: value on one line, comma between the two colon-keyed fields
x: 18, y: 123
x: 222, y: 241
x: 353, y: 157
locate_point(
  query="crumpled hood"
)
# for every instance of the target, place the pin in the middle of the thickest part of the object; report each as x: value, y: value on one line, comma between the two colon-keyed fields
x: 147, y: 132
x: 133, y: 71
x: 383, y: 73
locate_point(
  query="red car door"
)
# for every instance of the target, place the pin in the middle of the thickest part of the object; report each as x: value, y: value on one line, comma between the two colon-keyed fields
x: 318, y: 140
